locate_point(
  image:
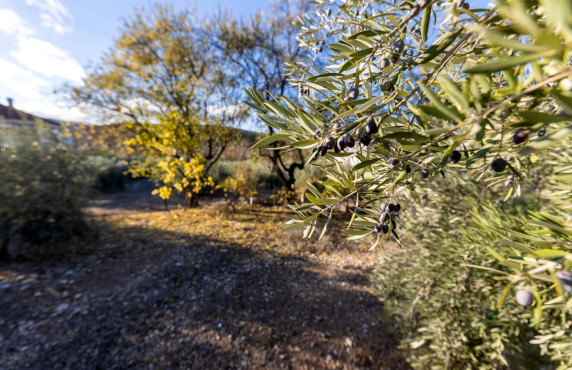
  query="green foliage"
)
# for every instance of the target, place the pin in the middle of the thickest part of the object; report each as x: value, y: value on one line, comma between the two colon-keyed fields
x: 110, y: 173
x: 433, y: 86
x: 262, y: 174
x: 444, y: 303
x: 44, y: 185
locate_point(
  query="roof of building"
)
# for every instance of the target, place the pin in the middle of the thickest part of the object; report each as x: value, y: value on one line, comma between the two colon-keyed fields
x: 9, y: 112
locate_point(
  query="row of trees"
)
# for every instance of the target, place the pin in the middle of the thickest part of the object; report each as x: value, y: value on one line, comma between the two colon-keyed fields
x: 416, y: 90
x: 177, y: 81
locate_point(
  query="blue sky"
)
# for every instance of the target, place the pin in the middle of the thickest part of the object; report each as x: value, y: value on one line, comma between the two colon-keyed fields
x: 46, y: 43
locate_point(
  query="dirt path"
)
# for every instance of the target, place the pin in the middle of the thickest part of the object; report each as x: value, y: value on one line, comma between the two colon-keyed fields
x: 206, y: 289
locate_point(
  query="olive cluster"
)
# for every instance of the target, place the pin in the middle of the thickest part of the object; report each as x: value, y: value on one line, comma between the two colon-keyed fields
x: 387, y: 219
x: 521, y: 135
x: 348, y: 141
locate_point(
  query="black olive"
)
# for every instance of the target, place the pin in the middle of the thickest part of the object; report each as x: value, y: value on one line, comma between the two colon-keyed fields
x: 394, y: 58
x: 408, y: 169
x: 341, y: 143
x: 391, y: 207
x: 385, y: 228
x: 541, y: 132
x: 330, y: 142
x: 455, y: 156
x: 384, y: 63
x: 498, y: 165
x: 398, y: 45
x: 519, y: 136
x: 424, y: 173
x: 466, y: 6
x: 370, y: 126
x: 350, y: 141
x: 337, y: 127
x: 393, y: 162
x: 322, y: 150
x: 378, y: 228
x: 365, y: 139
x: 384, y: 217
x: 397, y: 207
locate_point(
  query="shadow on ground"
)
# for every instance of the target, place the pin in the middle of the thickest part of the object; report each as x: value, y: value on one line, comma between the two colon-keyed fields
x: 190, y: 301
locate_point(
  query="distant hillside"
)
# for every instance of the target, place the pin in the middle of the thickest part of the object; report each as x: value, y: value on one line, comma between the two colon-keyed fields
x: 110, y: 138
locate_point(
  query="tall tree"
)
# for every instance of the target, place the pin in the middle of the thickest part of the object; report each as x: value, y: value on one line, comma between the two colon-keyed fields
x: 161, y: 78
x: 256, y: 50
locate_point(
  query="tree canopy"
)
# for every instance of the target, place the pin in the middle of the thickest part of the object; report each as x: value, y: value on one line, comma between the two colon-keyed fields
x: 420, y: 89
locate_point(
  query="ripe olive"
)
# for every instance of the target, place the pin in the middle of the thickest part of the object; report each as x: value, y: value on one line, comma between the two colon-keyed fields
x: 524, y: 297
x: 466, y: 6
x: 519, y: 136
x: 454, y: 156
x: 337, y: 127
x: 565, y: 278
x: 391, y: 207
x: 322, y: 150
x: 498, y: 165
x: 365, y: 139
x: 385, y: 228
x: 424, y: 173
x: 394, y: 58
x: 377, y: 228
x: 393, y: 162
x: 350, y: 141
x: 397, y: 207
x: 341, y: 143
x: 330, y: 142
x: 384, y: 63
x: 398, y: 45
x: 370, y: 126
x: 384, y: 217
x: 408, y: 169
x: 541, y: 132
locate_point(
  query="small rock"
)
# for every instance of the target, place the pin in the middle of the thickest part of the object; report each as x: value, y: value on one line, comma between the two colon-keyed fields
x: 61, y: 308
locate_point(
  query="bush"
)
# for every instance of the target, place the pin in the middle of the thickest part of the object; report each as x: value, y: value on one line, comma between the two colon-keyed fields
x: 110, y: 173
x: 44, y: 185
x: 262, y: 175
x: 447, y: 310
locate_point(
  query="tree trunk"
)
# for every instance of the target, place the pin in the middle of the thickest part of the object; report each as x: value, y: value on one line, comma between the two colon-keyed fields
x: 192, y: 201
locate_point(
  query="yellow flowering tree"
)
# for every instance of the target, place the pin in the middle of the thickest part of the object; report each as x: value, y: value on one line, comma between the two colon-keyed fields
x: 162, y: 80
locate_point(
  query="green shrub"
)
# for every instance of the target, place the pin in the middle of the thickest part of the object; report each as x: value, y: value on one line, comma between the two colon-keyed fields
x: 263, y: 174
x: 445, y: 308
x: 44, y: 185
x: 110, y: 173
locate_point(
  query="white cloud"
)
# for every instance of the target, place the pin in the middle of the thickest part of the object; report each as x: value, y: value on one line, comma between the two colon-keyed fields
x: 47, y: 59
x: 12, y: 24
x: 54, y: 14
x: 18, y: 82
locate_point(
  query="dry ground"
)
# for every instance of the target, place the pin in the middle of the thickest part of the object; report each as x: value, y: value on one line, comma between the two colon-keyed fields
x: 203, y: 289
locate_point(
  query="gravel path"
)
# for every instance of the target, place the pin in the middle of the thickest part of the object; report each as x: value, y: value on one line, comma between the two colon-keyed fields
x: 207, y: 289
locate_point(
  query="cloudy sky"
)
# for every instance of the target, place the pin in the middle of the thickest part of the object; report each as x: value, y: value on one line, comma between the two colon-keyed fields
x: 46, y: 43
